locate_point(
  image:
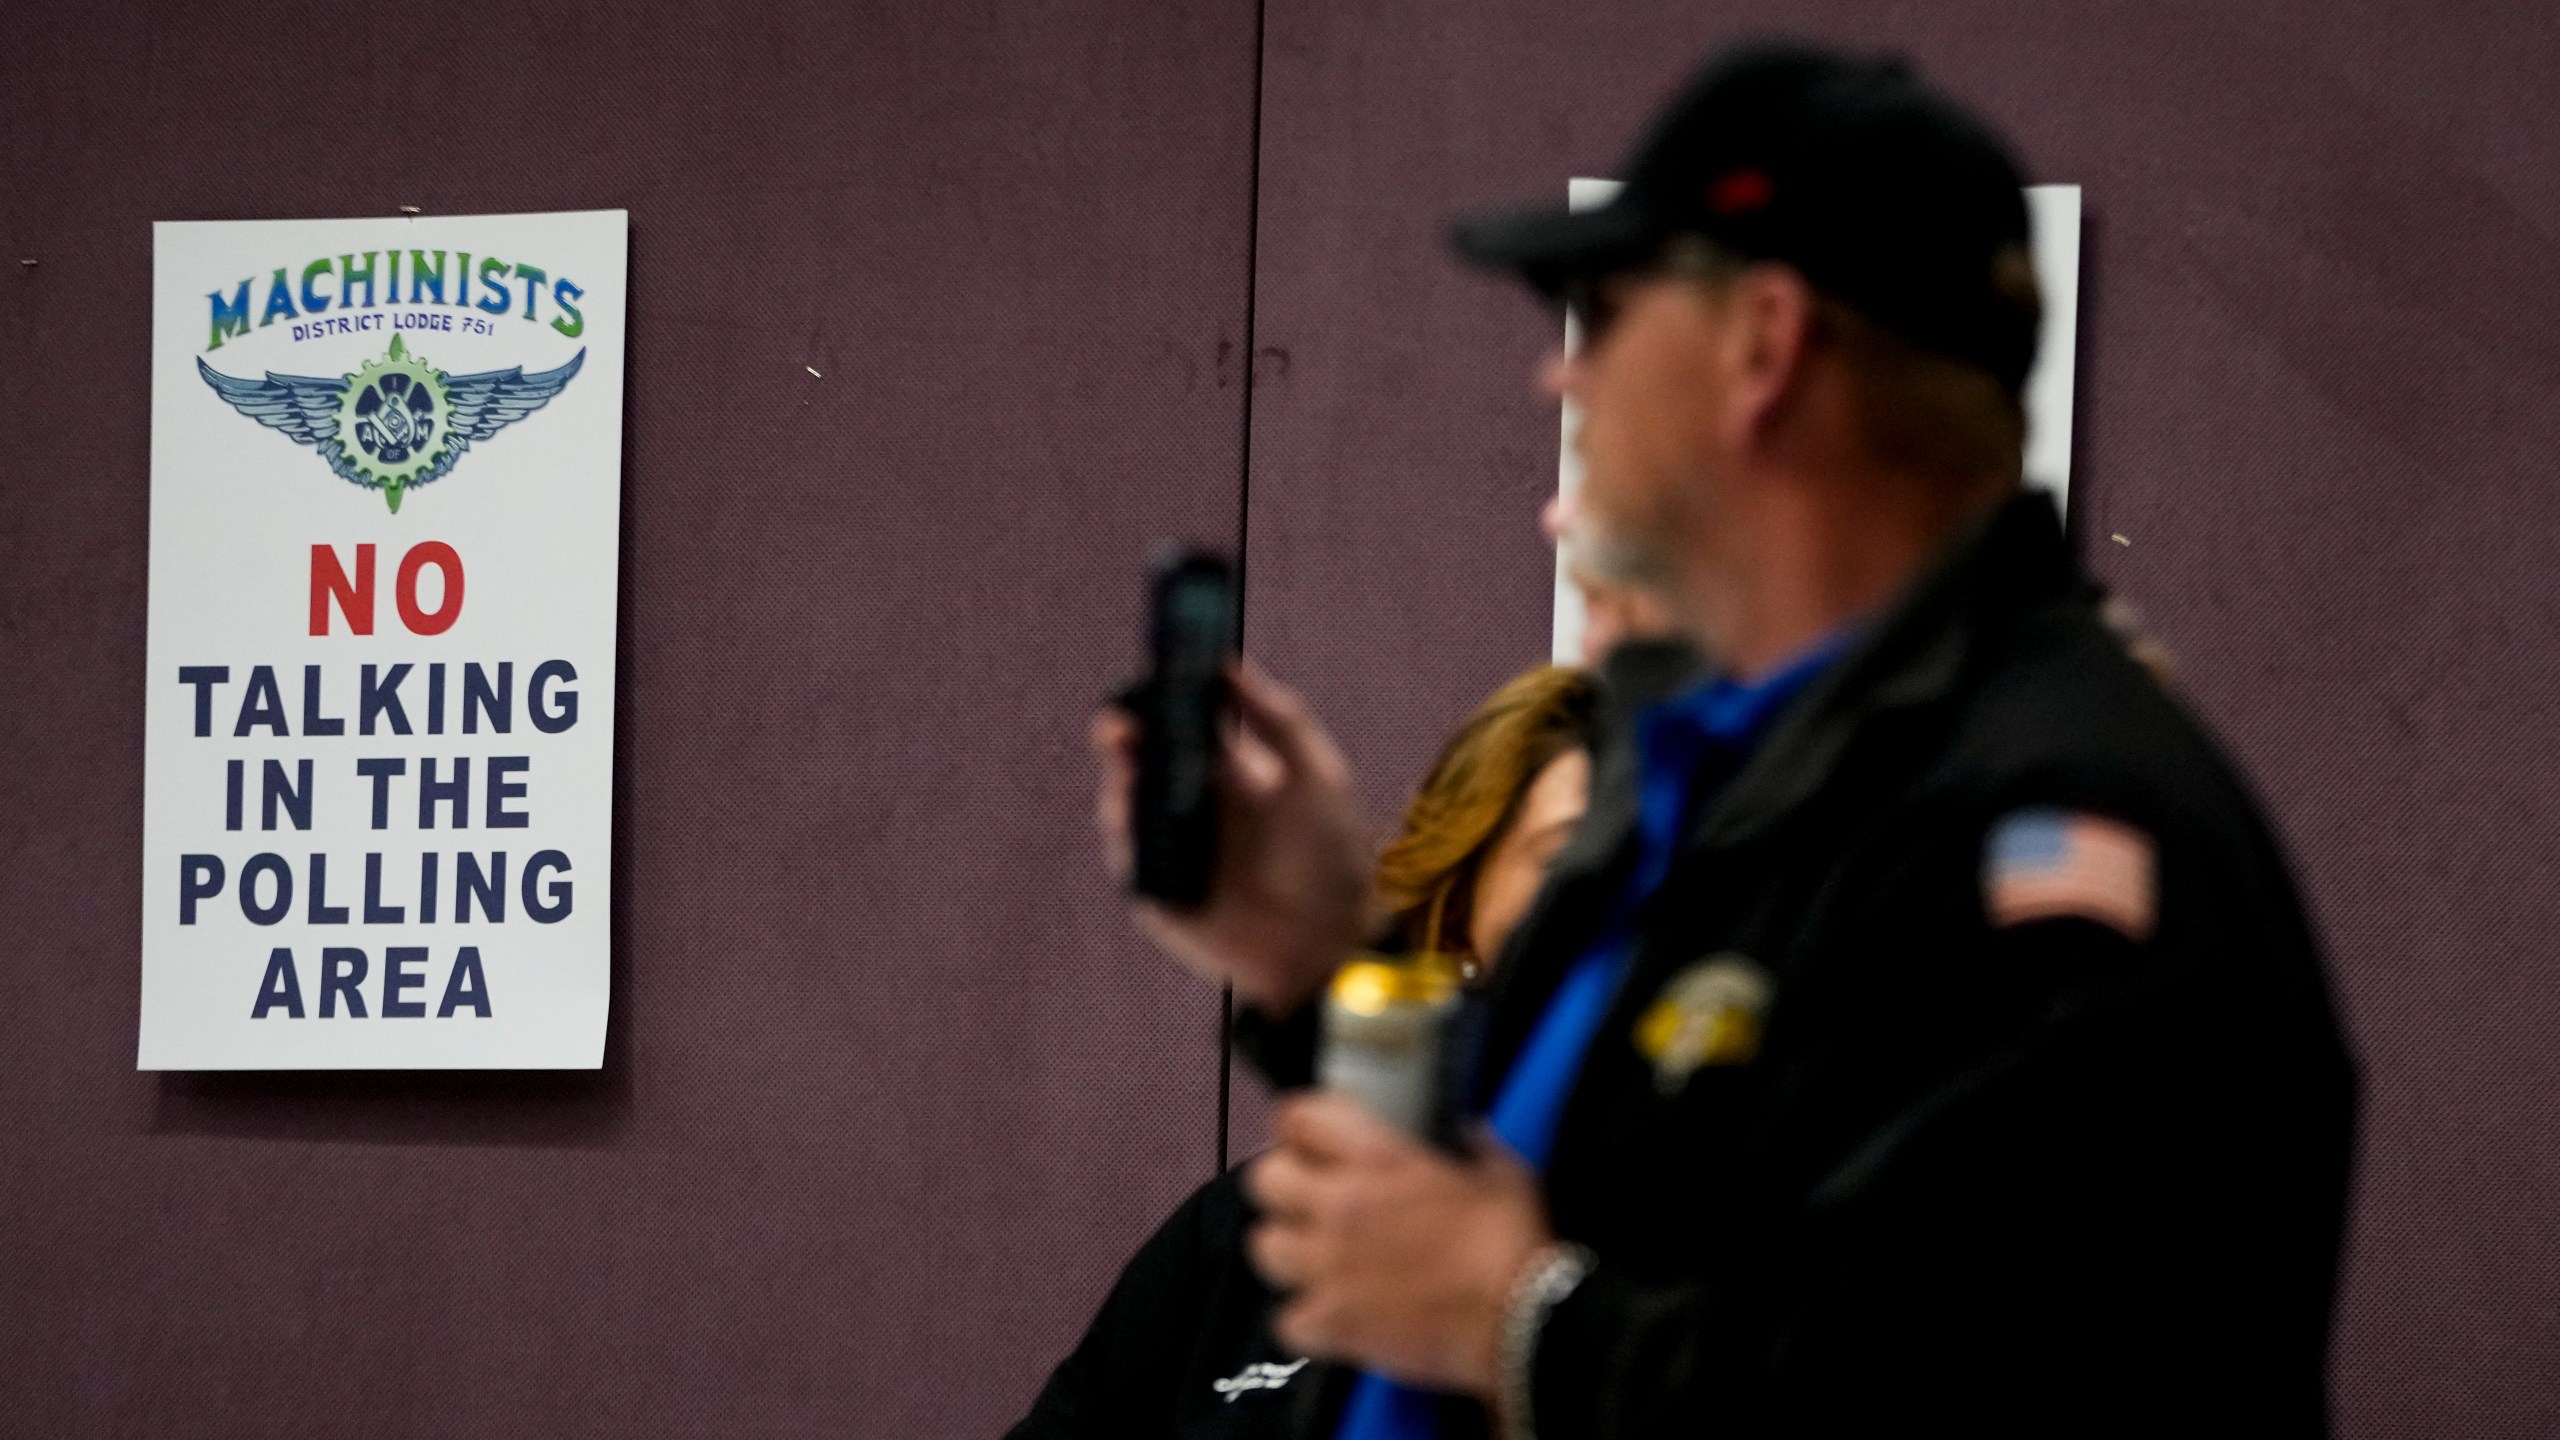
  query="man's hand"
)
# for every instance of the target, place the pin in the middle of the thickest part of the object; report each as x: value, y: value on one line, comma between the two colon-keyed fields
x: 1395, y: 1256
x: 1290, y: 896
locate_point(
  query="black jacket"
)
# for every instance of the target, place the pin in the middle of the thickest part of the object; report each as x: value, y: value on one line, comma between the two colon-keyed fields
x: 1912, y: 1170
x: 1181, y: 1349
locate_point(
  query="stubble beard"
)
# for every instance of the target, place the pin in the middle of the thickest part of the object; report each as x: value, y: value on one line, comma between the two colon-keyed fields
x: 1606, y: 557
x: 1623, y: 552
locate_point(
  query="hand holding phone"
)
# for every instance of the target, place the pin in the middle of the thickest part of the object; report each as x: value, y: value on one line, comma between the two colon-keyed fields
x: 1228, y: 808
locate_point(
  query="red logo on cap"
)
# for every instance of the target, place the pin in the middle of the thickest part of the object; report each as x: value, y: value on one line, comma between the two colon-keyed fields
x: 1737, y: 192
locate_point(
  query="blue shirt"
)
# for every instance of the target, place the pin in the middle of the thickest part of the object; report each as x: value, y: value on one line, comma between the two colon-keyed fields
x: 1687, y: 747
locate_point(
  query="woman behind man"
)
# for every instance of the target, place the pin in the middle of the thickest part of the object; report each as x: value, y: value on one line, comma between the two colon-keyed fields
x: 1180, y: 1346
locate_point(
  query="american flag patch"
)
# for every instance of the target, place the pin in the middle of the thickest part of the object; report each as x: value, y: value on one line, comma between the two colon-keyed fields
x: 2045, y: 864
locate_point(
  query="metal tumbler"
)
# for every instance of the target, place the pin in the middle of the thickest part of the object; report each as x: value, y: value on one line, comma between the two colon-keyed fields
x: 1385, y: 1021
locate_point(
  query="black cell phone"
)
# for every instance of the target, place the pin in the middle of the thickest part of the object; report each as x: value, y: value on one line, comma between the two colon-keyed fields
x: 1181, y: 707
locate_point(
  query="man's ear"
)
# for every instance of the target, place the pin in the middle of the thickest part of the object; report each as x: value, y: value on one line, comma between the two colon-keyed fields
x: 1769, y: 314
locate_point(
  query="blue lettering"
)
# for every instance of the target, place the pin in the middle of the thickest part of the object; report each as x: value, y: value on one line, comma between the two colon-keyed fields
x: 397, y: 979
x: 230, y: 319
x: 419, y: 283
x: 313, y: 722
x: 279, y: 301
x: 480, y: 700
x: 493, y: 278
x: 199, y: 878
x: 380, y: 697
x: 455, y: 792
x: 571, y: 323
x: 342, y: 969
x: 562, y: 894
x: 313, y: 304
x: 493, y: 811
x: 375, y: 912
x: 294, y: 795
x: 261, y: 704
x: 281, y: 987
x: 349, y: 275
x: 322, y: 912
x: 204, y: 678
x: 548, y: 720
x: 534, y: 278
x: 491, y: 887
x: 380, y: 771
x: 265, y: 864
x: 466, y: 966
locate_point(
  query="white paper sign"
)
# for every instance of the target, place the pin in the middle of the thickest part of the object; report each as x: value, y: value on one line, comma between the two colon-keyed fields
x: 2053, y: 217
x: 378, y: 740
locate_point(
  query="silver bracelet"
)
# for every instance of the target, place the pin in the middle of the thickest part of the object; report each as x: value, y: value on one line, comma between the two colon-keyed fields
x: 1552, y: 1275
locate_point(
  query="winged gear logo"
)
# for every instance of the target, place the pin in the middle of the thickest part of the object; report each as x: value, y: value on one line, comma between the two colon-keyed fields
x: 397, y: 421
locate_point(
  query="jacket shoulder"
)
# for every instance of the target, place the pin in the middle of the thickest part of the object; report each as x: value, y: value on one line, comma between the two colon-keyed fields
x: 2063, y: 718
x: 2060, y: 711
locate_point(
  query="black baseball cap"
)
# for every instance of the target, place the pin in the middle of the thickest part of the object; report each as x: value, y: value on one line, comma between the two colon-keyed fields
x: 1884, y: 193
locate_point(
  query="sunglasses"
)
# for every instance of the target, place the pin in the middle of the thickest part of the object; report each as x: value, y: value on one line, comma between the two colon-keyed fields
x: 1598, y: 300
x: 1595, y: 303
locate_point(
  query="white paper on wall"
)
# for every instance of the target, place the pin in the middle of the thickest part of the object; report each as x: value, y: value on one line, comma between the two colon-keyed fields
x: 378, y: 730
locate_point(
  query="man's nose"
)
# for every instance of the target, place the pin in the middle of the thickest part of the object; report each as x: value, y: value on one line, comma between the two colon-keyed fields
x: 1560, y: 374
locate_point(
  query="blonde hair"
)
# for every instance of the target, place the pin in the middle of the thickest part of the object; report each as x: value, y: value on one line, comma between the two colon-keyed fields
x: 1426, y: 877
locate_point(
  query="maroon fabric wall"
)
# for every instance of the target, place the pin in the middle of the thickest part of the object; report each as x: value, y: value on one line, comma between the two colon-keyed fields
x: 889, y: 1089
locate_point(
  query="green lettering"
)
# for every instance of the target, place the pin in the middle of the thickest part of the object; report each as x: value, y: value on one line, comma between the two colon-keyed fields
x: 418, y: 281
x: 571, y: 322
x: 231, y: 318
x: 349, y: 275
x: 279, y: 300
x: 534, y: 278
x: 493, y: 278
x: 312, y: 303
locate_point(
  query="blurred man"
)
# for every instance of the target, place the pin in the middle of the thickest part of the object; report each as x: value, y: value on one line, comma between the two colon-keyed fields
x: 1614, y: 607
x: 1922, y: 1032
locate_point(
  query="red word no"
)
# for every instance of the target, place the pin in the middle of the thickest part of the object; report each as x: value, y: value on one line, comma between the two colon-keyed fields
x: 354, y: 597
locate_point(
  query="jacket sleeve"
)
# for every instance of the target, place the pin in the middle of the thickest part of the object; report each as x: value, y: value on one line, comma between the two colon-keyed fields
x: 1122, y: 1379
x: 1284, y: 1050
x: 2090, y: 1190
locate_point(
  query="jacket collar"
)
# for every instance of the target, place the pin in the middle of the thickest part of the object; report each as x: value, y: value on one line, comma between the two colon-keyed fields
x: 1634, y: 677
x: 1914, y: 655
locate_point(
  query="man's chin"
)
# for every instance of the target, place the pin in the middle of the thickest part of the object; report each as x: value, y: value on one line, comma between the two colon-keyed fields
x: 1618, y: 559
